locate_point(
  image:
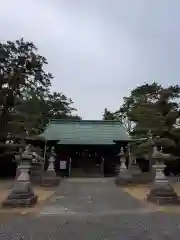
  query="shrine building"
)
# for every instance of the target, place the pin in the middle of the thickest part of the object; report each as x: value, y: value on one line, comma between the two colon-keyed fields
x: 89, y: 147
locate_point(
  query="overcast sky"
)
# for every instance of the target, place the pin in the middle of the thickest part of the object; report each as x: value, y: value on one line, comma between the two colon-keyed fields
x: 98, y: 50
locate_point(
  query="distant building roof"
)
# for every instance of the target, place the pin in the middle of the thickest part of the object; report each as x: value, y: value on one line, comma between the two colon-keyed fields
x: 85, y: 132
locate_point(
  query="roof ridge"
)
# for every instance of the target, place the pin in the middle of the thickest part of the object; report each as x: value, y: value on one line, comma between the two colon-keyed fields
x: 84, y: 121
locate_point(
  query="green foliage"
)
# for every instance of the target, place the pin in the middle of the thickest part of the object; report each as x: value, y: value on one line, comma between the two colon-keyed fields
x: 152, y: 108
x: 38, y: 111
x: 120, y: 116
x: 21, y: 71
x: 108, y: 115
x: 26, y: 102
x: 141, y: 149
x: 123, y: 115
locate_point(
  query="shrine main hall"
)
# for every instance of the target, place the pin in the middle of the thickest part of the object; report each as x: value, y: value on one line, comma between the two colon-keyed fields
x: 90, y: 147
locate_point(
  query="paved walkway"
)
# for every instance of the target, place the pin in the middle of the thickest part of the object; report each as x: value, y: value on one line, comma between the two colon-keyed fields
x: 92, y: 210
x: 85, y: 197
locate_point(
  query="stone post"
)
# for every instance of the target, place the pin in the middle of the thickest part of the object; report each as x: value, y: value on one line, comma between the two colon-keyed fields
x: 124, y: 177
x: 162, y: 192
x: 50, y: 178
x: 22, y: 193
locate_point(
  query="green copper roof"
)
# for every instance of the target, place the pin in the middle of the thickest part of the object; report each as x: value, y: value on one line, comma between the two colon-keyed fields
x: 85, y: 132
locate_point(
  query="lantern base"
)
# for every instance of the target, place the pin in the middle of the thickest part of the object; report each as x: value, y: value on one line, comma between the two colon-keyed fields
x: 50, y: 179
x: 163, y: 194
x: 21, y: 195
x: 123, y: 178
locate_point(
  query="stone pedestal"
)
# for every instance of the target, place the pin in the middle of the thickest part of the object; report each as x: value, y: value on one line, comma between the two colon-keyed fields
x: 162, y: 192
x: 22, y: 194
x: 50, y: 179
x: 124, y: 177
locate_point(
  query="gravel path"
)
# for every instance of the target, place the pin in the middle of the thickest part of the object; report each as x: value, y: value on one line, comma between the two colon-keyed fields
x: 90, y: 211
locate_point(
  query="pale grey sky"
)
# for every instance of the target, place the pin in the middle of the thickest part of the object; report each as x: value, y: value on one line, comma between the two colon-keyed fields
x: 98, y: 50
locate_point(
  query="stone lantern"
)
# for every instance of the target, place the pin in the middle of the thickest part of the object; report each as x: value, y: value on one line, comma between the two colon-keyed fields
x: 22, y: 193
x: 124, y: 177
x: 50, y: 178
x: 162, y: 192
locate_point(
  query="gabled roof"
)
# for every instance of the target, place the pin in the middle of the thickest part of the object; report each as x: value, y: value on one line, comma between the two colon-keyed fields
x: 85, y: 132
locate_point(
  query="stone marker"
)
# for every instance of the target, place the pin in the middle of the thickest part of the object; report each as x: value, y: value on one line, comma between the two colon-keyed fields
x: 22, y: 194
x: 124, y: 177
x: 50, y: 178
x: 162, y: 192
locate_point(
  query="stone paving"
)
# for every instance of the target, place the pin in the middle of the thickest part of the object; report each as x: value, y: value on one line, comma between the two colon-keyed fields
x: 90, y: 211
x: 91, y: 198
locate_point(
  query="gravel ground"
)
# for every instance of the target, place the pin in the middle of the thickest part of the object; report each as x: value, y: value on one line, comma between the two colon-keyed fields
x: 92, y: 211
x: 114, y: 227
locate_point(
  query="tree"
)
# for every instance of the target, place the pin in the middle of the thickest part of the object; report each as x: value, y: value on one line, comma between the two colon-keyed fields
x: 26, y: 103
x: 152, y: 113
x: 21, y: 72
x: 123, y: 116
x: 58, y: 106
x: 155, y: 109
x: 108, y: 115
x: 120, y: 115
x: 134, y: 106
x: 39, y: 112
x: 151, y: 107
